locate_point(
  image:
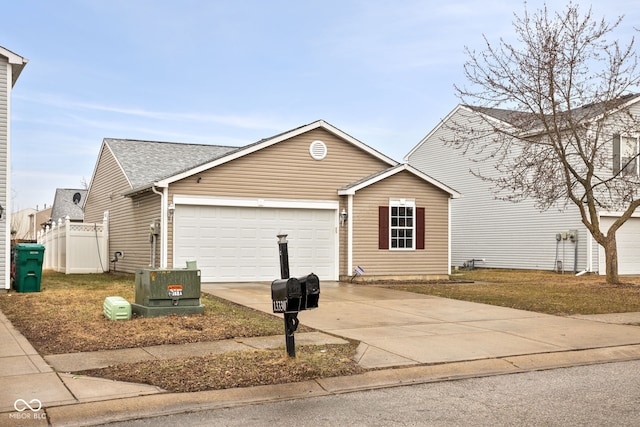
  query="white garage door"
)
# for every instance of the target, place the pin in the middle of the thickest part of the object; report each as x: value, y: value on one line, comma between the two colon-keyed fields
x: 628, y: 239
x: 239, y: 244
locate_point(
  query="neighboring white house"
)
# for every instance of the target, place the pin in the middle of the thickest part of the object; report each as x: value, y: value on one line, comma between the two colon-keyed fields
x: 23, y: 225
x: 492, y: 233
x: 11, y: 66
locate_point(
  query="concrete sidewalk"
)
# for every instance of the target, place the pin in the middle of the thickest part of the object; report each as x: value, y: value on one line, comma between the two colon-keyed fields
x: 433, y: 338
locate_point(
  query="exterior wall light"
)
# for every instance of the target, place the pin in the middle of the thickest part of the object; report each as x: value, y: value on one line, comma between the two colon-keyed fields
x: 343, y: 217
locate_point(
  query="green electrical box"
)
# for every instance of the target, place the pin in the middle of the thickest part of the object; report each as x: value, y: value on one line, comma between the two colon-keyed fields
x: 161, y: 292
x: 116, y: 308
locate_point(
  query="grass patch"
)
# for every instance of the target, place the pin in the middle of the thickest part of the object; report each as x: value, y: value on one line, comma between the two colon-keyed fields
x: 238, y: 369
x: 67, y: 317
x: 539, y: 291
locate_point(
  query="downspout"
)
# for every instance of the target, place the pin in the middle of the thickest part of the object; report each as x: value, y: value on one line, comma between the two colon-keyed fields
x: 164, y: 233
x: 449, y: 237
x: 349, y: 234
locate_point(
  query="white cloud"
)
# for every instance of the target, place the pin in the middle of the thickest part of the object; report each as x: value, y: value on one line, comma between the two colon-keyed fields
x: 248, y: 121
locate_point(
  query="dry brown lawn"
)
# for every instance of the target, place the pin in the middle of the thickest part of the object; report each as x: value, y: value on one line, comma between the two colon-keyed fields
x: 66, y: 316
x: 540, y: 291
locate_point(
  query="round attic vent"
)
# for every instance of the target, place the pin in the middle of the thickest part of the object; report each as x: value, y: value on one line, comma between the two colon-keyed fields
x: 318, y: 150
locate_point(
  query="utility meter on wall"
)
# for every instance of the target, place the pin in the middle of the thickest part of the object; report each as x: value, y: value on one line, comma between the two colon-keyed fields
x: 154, y: 228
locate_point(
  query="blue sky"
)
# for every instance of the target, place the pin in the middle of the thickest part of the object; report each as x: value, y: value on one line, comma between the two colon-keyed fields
x: 234, y: 72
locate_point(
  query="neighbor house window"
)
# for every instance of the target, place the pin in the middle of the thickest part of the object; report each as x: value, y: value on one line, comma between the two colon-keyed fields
x: 400, y: 225
x: 629, y: 154
x: 625, y: 154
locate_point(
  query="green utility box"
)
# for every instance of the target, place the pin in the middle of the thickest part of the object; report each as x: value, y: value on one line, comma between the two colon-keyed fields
x: 116, y: 308
x: 161, y: 292
x: 28, y: 259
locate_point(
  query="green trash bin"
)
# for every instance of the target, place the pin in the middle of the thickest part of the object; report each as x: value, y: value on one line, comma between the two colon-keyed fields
x: 28, y: 259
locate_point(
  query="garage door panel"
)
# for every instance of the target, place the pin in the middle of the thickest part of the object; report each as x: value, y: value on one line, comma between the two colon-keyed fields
x: 249, y: 233
x: 323, y: 235
x: 628, y: 240
x: 240, y: 244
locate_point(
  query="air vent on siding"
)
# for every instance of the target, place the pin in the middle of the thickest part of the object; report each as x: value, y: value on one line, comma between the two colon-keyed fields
x: 318, y: 150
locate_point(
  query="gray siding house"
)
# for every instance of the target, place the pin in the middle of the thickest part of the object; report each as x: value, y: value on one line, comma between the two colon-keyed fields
x: 492, y: 233
x: 11, y: 66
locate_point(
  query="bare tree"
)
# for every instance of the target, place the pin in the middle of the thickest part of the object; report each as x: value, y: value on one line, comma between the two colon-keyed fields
x: 551, y: 107
x: 21, y: 226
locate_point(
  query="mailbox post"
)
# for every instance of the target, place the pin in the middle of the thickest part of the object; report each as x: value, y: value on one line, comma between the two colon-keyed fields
x: 291, y: 295
x: 284, y: 256
x: 290, y: 317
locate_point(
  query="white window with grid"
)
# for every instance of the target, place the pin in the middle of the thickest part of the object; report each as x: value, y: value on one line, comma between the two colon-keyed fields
x: 629, y: 154
x: 402, y: 224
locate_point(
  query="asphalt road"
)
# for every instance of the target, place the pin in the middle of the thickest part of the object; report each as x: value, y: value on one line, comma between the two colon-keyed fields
x: 597, y: 395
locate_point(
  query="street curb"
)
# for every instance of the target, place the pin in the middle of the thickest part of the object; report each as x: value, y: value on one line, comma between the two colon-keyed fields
x: 101, y: 412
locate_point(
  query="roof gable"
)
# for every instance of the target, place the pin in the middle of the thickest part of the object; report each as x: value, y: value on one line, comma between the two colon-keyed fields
x: 16, y: 61
x: 434, y: 131
x: 379, y: 176
x: 267, y: 142
x: 147, y: 164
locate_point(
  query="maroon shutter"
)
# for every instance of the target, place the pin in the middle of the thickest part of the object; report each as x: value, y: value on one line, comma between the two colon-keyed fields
x: 420, y: 228
x: 383, y: 227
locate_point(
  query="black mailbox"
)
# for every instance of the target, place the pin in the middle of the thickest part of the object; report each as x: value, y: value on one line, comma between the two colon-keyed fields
x: 286, y: 295
x: 310, y: 287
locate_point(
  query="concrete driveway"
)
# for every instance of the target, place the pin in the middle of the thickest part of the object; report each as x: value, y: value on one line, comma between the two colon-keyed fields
x: 400, y: 328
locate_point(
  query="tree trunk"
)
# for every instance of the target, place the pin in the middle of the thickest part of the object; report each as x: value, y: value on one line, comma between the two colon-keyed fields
x: 611, y: 258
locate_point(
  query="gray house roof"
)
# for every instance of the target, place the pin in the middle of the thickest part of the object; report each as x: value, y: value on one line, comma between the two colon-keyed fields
x: 68, y: 202
x: 517, y: 118
x: 147, y: 163
x: 527, y: 121
x: 144, y: 162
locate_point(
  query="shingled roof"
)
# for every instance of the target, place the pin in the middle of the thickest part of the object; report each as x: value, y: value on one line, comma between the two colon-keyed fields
x: 68, y: 202
x: 150, y: 163
x: 144, y: 162
x: 530, y: 121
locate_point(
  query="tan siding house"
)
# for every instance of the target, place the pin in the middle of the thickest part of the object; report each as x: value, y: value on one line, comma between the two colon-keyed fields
x: 11, y: 65
x: 406, y: 263
x: 224, y: 206
x: 105, y: 199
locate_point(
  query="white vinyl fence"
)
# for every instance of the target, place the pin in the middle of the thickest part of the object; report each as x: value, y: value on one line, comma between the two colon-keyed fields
x: 75, y: 248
